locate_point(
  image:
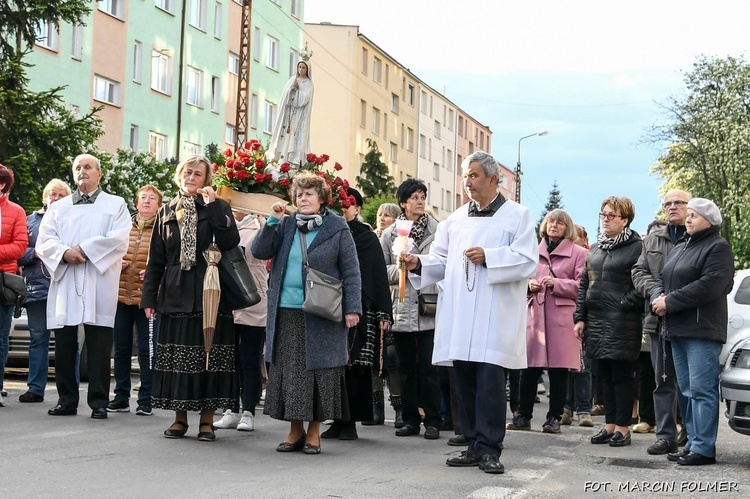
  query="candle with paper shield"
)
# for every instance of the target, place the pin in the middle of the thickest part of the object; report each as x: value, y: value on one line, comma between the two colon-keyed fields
x: 401, y: 246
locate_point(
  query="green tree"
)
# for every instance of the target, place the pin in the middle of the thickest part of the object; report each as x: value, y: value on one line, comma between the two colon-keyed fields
x: 127, y: 171
x: 708, y: 137
x: 375, y: 179
x: 370, y: 209
x: 554, y: 201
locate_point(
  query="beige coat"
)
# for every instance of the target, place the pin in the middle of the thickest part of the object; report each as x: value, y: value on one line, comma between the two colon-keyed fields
x: 249, y: 227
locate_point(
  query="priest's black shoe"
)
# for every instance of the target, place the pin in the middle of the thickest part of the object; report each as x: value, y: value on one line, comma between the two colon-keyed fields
x: 675, y: 456
x: 458, y: 441
x: 63, y: 410
x: 695, y: 459
x: 99, y: 413
x: 431, y: 433
x: 407, y: 430
x: 466, y: 458
x: 602, y: 437
x: 490, y: 463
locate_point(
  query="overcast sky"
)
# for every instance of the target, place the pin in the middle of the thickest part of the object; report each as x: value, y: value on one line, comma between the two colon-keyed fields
x: 589, y: 72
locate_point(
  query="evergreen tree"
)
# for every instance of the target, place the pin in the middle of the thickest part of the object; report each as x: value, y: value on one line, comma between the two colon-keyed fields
x: 375, y: 180
x: 554, y: 201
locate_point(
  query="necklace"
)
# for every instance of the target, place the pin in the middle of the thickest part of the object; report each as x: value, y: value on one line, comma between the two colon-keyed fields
x: 466, y: 272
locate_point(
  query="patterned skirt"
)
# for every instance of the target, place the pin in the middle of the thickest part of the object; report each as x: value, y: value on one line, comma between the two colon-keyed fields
x: 294, y: 393
x: 181, y: 380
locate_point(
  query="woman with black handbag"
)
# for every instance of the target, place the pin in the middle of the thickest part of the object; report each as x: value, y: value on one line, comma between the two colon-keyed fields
x: 307, y: 353
x: 14, y: 239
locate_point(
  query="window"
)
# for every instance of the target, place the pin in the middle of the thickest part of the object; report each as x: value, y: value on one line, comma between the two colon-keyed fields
x: 215, y: 94
x: 449, y: 160
x: 376, y: 65
x: 422, y: 146
x: 229, y: 134
x: 218, y: 21
x: 106, y: 90
x: 254, y: 111
x: 158, y: 145
x: 296, y: 9
x: 234, y: 63
x: 409, y: 140
x: 134, y: 137
x: 277, y: 2
x: 293, y: 60
x: 394, y: 103
x: 364, y: 61
x: 386, y: 75
x: 448, y: 201
x: 403, y: 135
x: 76, y: 51
x: 435, y: 171
x: 430, y: 106
x: 742, y: 296
x: 451, y: 119
x: 362, y: 113
x: 161, y: 69
x: 460, y: 126
x: 167, y: 5
x: 270, y: 117
x: 47, y: 36
x: 423, y: 102
x: 375, y: 121
x: 137, y: 61
x: 191, y: 149
x: 437, y: 129
x: 429, y: 149
x: 112, y: 7
x: 385, y: 125
x: 272, y: 53
x: 410, y: 95
x: 256, y: 44
x: 393, y: 153
x: 194, y: 88
x: 197, y: 14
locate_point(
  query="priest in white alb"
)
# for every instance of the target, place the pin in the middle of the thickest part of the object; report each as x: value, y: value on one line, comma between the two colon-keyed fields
x: 482, y: 258
x: 82, y: 239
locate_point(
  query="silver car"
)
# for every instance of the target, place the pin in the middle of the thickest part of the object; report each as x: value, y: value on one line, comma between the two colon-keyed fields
x: 735, y: 387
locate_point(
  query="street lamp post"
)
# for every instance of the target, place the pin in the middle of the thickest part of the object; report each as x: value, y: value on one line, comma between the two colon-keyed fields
x: 518, y: 165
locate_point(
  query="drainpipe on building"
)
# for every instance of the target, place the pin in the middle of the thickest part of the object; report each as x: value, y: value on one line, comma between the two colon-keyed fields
x: 180, y: 79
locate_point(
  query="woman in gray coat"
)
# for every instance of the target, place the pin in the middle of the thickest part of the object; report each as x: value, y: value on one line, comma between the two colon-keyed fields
x: 307, y: 353
x: 413, y: 332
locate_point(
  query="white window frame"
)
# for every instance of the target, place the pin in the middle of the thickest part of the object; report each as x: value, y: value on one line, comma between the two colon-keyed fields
x: 393, y: 153
x: 437, y: 129
x: 295, y: 9
x: 48, y: 36
x: 161, y: 72
x: 194, y: 87
x: 134, y: 132
x: 197, y: 14
x: 106, y: 90
x: 410, y: 94
x: 451, y: 118
x: 277, y: 2
x: 76, y: 49
x: 158, y: 145
x: 363, y: 113
x: 229, y: 134
x: 365, y: 58
x: 375, y: 119
x: 436, y: 171
x: 293, y: 61
x: 137, y: 62
x: 410, y: 140
x: 394, y: 103
x: 272, y: 53
x: 192, y: 149
x: 112, y: 7
x: 218, y: 20
x: 233, y: 63
x: 422, y: 146
x: 215, y: 94
x: 377, y: 66
x: 269, y: 117
x: 165, y: 5
x: 254, y: 111
x: 256, y: 44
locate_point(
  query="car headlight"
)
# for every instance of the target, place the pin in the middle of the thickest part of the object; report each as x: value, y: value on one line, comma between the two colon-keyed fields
x: 743, y: 360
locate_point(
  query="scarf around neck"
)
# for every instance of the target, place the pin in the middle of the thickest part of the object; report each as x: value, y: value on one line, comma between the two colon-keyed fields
x: 306, y: 223
x: 607, y: 243
x: 188, y: 231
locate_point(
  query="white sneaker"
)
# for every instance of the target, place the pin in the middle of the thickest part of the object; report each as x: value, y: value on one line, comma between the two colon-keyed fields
x: 247, y: 422
x: 228, y: 420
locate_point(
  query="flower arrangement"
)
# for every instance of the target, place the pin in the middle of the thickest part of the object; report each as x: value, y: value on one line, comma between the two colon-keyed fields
x: 246, y: 170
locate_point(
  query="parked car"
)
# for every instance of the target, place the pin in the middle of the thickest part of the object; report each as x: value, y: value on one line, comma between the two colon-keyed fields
x: 738, y: 305
x: 735, y: 387
x: 18, y: 345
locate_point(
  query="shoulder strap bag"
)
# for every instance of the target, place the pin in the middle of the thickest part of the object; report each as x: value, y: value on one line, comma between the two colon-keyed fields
x: 323, y: 293
x: 12, y: 291
x: 238, y: 289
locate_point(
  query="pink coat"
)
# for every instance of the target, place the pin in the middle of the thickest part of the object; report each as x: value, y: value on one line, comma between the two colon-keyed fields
x: 550, y: 341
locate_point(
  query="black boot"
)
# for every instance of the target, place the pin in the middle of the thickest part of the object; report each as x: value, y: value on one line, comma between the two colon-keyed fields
x: 396, y: 404
x: 378, y: 411
x: 335, y: 430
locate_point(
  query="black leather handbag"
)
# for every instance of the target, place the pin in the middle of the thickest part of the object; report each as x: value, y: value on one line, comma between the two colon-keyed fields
x: 12, y: 291
x: 427, y: 303
x: 238, y: 289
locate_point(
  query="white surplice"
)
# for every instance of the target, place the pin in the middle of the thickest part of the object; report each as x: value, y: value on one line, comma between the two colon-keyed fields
x: 487, y: 324
x: 84, y: 293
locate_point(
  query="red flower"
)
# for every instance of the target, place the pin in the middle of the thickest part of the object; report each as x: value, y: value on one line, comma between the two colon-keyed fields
x: 230, y: 174
x: 321, y: 174
x: 324, y: 158
x: 285, y: 167
x: 311, y: 158
x: 284, y: 182
x: 259, y: 163
x: 345, y: 185
x: 319, y: 160
x: 255, y: 146
x: 230, y: 163
x: 248, y: 144
x: 227, y: 152
x: 338, y: 181
x: 337, y: 166
x: 246, y: 160
x: 214, y: 167
x: 268, y: 177
x: 259, y: 177
x: 242, y: 175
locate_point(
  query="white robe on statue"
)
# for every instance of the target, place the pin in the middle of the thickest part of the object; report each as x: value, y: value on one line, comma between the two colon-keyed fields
x: 294, y: 114
x: 488, y: 324
x: 85, y: 293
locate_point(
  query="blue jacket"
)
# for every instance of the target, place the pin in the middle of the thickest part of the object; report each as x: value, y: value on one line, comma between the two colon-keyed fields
x: 333, y: 252
x: 34, y: 271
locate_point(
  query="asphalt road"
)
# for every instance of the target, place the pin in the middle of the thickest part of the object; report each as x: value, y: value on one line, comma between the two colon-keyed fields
x: 126, y: 455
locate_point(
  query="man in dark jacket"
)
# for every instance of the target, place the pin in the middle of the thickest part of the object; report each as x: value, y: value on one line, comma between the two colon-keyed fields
x: 656, y: 246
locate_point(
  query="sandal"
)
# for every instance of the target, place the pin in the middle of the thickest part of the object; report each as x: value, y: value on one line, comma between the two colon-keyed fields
x: 206, y: 436
x: 172, y: 432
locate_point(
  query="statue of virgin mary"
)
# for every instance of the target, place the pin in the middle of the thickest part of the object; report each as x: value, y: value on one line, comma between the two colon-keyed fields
x: 291, y: 131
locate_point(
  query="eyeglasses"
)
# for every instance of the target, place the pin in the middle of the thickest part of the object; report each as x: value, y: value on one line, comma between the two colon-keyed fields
x: 609, y: 216
x: 676, y: 204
